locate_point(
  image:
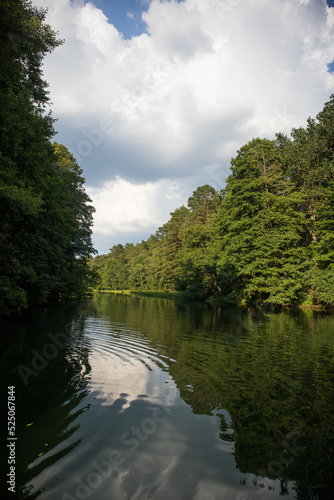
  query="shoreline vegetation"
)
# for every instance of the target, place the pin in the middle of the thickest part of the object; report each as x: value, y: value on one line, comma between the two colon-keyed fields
x: 145, y: 293
x: 213, y: 300
x: 267, y: 238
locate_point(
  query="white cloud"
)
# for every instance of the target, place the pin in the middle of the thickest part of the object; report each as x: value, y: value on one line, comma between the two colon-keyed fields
x: 176, y: 30
x: 122, y: 207
x: 209, y: 76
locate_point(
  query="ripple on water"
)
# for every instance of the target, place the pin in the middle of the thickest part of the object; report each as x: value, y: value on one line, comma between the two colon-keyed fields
x: 123, y: 361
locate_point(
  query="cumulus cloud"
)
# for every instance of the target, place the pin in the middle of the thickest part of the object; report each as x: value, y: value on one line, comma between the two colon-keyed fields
x: 123, y: 207
x: 208, y: 76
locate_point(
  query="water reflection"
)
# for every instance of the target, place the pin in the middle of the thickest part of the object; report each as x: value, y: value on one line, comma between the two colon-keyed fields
x: 267, y: 377
x: 151, y: 398
x: 50, y: 393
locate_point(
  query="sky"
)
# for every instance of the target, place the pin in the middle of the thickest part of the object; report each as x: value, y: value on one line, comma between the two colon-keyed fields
x: 154, y: 97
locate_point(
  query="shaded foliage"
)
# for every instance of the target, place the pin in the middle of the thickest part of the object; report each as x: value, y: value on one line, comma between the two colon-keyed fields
x: 45, y: 235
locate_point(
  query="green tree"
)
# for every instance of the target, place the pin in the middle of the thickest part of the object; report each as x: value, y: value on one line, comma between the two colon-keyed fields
x: 262, y: 229
x: 309, y: 162
x: 195, y: 273
x: 45, y: 236
x: 138, y: 264
x: 203, y: 204
x: 170, y: 234
x: 66, y: 225
x: 115, y: 273
x: 308, y: 159
x: 320, y: 277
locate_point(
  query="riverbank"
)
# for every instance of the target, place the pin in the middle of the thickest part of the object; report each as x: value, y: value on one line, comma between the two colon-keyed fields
x: 216, y: 300
x: 160, y: 295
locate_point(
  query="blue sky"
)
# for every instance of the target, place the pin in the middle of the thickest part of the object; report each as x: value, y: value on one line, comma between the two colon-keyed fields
x: 125, y: 15
x: 153, y: 98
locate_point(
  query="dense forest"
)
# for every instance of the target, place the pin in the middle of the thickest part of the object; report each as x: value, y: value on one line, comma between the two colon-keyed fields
x: 46, y: 216
x: 268, y: 237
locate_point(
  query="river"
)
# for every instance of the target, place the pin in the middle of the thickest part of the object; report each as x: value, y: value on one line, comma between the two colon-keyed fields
x: 134, y: 398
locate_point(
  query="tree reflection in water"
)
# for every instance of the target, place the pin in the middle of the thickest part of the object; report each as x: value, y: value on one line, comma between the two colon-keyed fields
x: 249, y: 395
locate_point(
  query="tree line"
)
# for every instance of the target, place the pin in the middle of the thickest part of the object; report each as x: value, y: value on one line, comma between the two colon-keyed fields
x: 46, y: 216
x: 267, y: 237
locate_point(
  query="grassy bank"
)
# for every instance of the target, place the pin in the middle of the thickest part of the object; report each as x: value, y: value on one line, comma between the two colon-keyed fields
x: 161, y: 295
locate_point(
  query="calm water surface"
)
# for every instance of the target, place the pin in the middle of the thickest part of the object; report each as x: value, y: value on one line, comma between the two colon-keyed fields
x: 123, y: 397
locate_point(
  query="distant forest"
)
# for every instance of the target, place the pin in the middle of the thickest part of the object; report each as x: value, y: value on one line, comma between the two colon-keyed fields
x: 268, y: 237
x: 46, y: 216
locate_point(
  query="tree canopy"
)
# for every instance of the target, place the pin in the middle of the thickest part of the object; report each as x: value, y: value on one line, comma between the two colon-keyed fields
x: 45, y: 235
